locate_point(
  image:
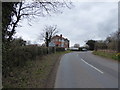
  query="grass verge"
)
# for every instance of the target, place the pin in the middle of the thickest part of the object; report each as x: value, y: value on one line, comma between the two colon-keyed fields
x: 107, y: 55
x: 37, y: 73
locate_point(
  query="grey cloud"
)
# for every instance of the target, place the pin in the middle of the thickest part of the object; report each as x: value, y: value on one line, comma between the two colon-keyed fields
x: 84, y: 21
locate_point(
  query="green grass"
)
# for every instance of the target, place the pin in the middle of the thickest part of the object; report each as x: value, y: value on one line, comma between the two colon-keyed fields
x: 34, y: 74
x: 106, y: 55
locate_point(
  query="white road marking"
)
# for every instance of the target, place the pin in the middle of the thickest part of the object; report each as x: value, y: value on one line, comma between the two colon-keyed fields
x: 92, y: 66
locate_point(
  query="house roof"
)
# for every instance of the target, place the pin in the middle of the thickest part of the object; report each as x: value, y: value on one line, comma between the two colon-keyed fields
x: 60, y: 37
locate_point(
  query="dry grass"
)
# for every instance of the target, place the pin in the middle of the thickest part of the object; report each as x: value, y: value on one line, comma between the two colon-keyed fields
x: 107, y: 54
x: 34, y: 75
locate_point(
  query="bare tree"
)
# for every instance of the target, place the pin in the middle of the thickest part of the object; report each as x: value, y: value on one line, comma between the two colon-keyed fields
x: 111, y: 42
x: 29, y: 10
x: 48, y: 33
x: 76, y: 45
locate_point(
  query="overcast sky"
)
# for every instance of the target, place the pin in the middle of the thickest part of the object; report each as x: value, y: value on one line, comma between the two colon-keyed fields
x: 84, y: 21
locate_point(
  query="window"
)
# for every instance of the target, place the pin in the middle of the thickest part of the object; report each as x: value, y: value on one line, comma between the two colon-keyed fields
x: 56, y: 39
x: 59, y: 40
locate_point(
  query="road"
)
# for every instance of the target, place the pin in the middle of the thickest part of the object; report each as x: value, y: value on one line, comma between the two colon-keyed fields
x: 85, y: 70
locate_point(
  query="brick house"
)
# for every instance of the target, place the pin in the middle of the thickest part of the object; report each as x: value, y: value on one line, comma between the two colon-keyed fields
x: 60, y: 41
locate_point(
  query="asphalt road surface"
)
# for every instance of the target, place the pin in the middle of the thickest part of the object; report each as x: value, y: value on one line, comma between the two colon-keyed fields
x: 85, y: 70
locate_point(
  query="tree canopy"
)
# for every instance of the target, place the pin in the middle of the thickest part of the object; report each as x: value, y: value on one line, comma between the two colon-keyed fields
x: 91, y: 44
x: 13, y: 12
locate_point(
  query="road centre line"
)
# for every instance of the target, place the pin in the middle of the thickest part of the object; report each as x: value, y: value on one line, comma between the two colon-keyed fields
x: 92, y: 66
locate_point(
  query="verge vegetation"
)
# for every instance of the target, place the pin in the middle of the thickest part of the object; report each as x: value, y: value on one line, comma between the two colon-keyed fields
x: 108, y: 54
x: 36, y: 73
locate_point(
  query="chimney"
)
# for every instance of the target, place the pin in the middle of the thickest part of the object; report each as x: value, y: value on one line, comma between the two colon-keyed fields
x: 60, y: 35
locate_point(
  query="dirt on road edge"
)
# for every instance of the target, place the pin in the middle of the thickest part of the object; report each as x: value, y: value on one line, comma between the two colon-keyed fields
x: 52, y: 75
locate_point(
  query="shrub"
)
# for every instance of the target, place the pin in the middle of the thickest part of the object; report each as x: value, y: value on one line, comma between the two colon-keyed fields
x: 60, y: 49
x: 118, y: 55
x: 17, y: 56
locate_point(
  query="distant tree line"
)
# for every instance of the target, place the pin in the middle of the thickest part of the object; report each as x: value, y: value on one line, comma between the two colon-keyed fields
x: 110, y: 43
